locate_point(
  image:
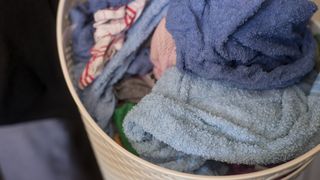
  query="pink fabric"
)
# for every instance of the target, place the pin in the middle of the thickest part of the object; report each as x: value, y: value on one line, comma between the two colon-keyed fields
x: 163, y: 50
x: 111, y: 25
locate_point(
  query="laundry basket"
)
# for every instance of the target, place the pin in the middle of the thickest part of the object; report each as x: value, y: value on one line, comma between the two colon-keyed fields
x: 117, y: 163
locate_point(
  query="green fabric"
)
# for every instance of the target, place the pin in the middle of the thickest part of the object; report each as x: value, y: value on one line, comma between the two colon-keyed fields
x: 118, y: 117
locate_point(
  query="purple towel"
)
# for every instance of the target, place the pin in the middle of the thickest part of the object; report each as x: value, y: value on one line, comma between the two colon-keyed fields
x: 251, y: 44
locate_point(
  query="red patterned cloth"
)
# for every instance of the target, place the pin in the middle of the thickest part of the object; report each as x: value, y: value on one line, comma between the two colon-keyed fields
x: 111, y: 25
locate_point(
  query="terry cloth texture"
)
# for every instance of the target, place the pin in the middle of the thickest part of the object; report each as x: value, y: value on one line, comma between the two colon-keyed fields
x: 163, y: 50
x: 250, y: 44
x: 189, y: 118
x: 99, y: 98
x: 111, y: 27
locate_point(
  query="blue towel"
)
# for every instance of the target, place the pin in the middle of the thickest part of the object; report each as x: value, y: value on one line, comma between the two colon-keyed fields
x: 95, y: 5
x: 213, y: 168
x: 160, y: 153
x: 141, y: 65
x: 250, y: 44
x: 99, y: 98
x: 205, y: 120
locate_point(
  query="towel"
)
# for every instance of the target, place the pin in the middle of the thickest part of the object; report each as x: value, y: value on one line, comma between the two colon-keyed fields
x: 141, y: 65
x: 95, y: 5
x: 163, y: 49
x: 250, y: 44
x: 82, y: 32
x: 206, y: 120
x: 111, y: 26
x: 99, y: 98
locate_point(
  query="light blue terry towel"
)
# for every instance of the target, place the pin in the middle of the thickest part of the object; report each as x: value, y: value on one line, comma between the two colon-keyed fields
x: 188, y: 118
x: 99, y: 98
x: 160, y: 153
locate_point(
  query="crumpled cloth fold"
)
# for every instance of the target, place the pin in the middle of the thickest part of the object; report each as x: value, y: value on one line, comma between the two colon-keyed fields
x: 111, y: 25
x: 95, y: 5
x: 250, y: 44
x: 133, y: 89
x: 82, y: 21
x: 188, y: 118
x: 82, y: 32
x: 141, y: 65
x: 99, y: 98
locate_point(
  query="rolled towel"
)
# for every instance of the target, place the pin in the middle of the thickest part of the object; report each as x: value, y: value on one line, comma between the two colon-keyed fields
x: 188, y: 118
x: 250, y: 44
x: 163, y: 50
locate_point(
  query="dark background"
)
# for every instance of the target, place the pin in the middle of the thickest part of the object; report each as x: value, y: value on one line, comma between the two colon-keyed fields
x: 32, y: 87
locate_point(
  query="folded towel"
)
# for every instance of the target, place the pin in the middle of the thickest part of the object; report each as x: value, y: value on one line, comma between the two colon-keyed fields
x: 163, y: 50
x: 187, y: 116
x: 99, y: 98
x: 251, y: 44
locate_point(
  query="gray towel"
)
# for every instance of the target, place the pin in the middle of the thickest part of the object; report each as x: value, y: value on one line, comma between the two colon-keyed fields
x: 187, y: 118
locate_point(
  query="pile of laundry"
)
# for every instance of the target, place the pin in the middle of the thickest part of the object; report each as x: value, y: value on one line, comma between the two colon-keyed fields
x: 204, y: 87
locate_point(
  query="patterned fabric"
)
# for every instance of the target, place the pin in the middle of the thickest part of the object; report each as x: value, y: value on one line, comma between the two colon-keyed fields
x: 111, y: 25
